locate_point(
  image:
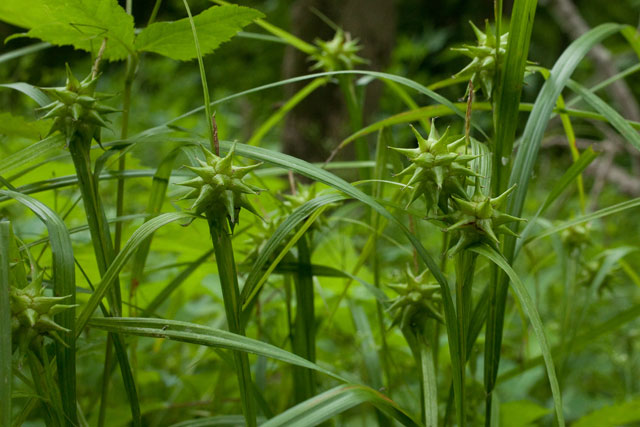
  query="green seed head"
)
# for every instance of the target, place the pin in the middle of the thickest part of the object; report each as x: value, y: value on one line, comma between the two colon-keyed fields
x: 438, y: 168
x: 482, y: 68
x: 478, y: 219
x: 219, y: 188
x: 77, y: 109
x: 32, y: 315
x: 339, y: 53
x: 418, y: 299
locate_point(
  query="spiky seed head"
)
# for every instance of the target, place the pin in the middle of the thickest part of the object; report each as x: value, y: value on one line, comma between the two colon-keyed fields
x: 339, y: 53
x: 482, y: 68
x: 32, y: 314
x: 478, y: 219
x: 77, y: 109
x: 418, y: 299
x: 219, y: 188
x: 438, y: 169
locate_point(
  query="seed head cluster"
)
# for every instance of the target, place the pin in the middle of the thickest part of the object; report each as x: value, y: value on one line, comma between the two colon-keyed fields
x: 339, y: 53
x: 482, y: 68
x: 219, y: 188
x: 32, y: 314
x: 77, y: 108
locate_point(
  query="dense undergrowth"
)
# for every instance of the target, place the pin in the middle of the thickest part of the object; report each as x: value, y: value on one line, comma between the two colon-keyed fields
x: 179, y: 269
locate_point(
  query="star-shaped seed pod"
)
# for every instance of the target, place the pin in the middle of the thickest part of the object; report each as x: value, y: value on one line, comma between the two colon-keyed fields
x: 482, y: 68
x: 478, y: 219
x: 77, y: 108
x: 576, y: 237
x: 32, y: 314
x: 339, y: 53
x: 418, y: 299
x: 219, y: 188
x: 438, y: 169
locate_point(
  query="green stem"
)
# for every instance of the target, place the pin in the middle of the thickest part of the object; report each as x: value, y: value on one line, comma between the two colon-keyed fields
x: 354, y: 108
x: 6, y: 377
x: 304, y: 335
x: 220, y: 235
x: 464, y: 266
x: 429, y: 384
x: 104, y: 253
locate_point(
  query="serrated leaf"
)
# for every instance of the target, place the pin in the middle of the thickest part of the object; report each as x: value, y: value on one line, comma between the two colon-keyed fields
x: 215, y: 26
x: 79, y: 23
x: 19, y: 127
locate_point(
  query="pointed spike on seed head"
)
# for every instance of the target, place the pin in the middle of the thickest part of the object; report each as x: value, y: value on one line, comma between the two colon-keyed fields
x: 72, y: 82
x: 241, y: 171
x: 499, y: 201
x: 456, y: 144
x: 433, y: 132
x: 479, y: 34
x: 423, y: 145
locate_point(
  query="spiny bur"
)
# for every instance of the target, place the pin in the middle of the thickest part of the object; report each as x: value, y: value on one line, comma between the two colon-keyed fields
x: 438, y: 170
x: 219, y: 189
x: 478, y: 219
x: 339, y: 53
x: 32, y: 315
x: 482, y: 68
x: 77, y: 109
x: 418, y: 299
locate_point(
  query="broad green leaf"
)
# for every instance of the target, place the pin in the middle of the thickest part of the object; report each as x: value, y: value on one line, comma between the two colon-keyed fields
x: 333, y: 402
x: 18, y: 126
x: 625, y: 413
x: 521, y: 413
x: 202, y: 335
x: 82, y: 24
x: 215, y: 26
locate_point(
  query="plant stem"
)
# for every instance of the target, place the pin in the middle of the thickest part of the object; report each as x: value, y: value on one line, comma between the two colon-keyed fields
x: 354, y: 108
x: 429, y: 384
x: 104, y: 253
x: 464, y: 266
x: 220, y: 235
x: 304, y: 336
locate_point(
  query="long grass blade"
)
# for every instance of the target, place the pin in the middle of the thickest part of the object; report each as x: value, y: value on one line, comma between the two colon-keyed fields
x: 532, y: 313
x: 336, y: 401
x: 202, y: 335
x: 64, y: 284
x: 129, y: 249
x: 6, y: 376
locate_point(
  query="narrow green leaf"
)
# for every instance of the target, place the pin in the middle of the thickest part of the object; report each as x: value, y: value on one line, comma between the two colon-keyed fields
x: 36, y: 47
x: 29, y: 90
x: 509, y: 90
x: 333, y: 402
x: 215, y: 26
x: 64, y: 284
x: 129, y: 249
x: 616, y: 120
x: 202, y: 335
x: 257, y: 276
x: 546, y: 100
x: 6, y: 375
x: 560, y: 185
x: 532, y: 313
x: 620, y: 207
